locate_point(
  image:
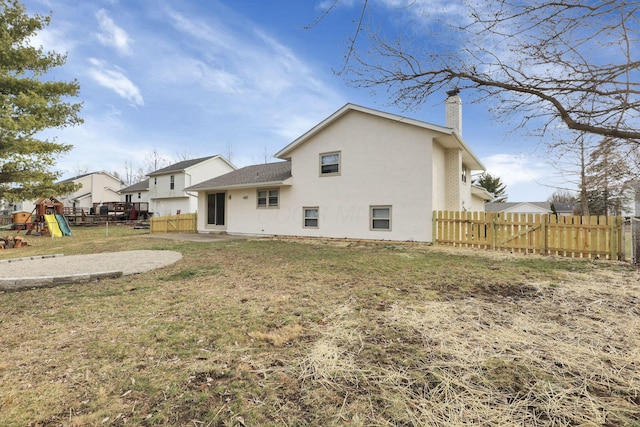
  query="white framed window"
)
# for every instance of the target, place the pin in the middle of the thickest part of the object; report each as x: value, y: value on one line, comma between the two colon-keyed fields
x: 139, y: 195
x: 172, y: 183
x: 310, y: 217
x: 464, y: 173
x: 268, y: 198
x: 330, y: 164
x: 380, y: 218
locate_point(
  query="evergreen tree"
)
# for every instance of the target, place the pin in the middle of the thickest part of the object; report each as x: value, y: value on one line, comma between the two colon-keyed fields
x: 29, y: 104
x: 494, y: 185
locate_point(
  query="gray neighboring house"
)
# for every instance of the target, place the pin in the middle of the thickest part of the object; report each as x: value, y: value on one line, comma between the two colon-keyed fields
x: 519, y: 207
x: 136, y: 193
x: 563, y: 209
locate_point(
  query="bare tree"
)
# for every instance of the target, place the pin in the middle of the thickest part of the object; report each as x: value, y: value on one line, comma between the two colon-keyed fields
x: 568, y: 61
x: 562, y: 196
x: 154, y: 161
x: 571, y: 162
x: 183, y: 155
x: 127, y: 176
x: 228, y: 151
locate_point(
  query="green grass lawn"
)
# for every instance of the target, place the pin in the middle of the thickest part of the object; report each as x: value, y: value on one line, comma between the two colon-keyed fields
x: 322, y: 332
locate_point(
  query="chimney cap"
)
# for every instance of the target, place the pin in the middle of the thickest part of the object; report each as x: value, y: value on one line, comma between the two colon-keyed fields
x: 453, y: 92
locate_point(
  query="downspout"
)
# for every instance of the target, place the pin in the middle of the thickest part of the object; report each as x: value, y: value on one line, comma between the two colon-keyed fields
x: 186, y: 192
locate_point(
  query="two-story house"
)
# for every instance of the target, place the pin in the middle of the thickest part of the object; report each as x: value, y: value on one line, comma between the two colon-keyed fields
x: 95, y: 188
x: 360, y: 173
x: 167, y: 186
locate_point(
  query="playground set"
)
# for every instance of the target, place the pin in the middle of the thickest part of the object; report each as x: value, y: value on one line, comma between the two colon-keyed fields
x: 51, y: 218
x: 47, y: 219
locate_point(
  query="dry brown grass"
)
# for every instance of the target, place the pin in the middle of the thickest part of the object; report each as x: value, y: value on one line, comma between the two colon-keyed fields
x: 321, y: 332
x: 280, y: 336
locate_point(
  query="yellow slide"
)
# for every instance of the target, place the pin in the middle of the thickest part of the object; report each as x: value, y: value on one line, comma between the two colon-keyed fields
x: 52, y: 225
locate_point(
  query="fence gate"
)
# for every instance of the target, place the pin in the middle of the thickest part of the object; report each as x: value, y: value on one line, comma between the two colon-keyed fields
x: 185, y: 223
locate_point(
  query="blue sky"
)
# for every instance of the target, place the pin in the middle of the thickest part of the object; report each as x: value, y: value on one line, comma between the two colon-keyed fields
x: 197, y: 78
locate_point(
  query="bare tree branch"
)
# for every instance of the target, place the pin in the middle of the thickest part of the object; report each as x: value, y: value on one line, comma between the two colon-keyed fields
x: 566, y: 61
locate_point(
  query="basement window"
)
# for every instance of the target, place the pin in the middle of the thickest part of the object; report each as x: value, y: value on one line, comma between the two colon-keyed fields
x: 380, y: 218
x: 310, y: 217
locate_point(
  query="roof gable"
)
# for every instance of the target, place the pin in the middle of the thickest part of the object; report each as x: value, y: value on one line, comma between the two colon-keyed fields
x: 449, y: 138
x: 78, y: 177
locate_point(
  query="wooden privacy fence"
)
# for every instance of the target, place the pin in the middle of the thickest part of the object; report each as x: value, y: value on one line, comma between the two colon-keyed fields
x: 571, y: 236
x: 184, y: 223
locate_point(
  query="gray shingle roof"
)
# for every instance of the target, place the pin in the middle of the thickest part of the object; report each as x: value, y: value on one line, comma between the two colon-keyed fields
x: 139, y: 186
x: 247, y: 176
x: 180, y: 166
x: 73, y: 178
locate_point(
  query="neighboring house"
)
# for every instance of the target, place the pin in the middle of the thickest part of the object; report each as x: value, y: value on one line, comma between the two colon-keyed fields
x: 360, y: 173
x: 632, y: 194
x: 636, y: 201
x: 136, y: 193
x: 95, y: 188
x: 519, y: 207
x: 7, y: 208
x: 167, y: 194
x: 566, y: 209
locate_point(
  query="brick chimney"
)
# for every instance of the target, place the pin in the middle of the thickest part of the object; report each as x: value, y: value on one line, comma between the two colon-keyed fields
x: 453, y: 110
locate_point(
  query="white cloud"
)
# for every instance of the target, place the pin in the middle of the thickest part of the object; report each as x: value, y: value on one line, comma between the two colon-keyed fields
x: 183, y: 69
x: 115, y: 79
x: 231, y: 55
x: 514, y: 168
x: 526, y: 177
x: 112, y: 35
x: 53, y: 40
x: 212, y: 32
x: 209, y: 78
